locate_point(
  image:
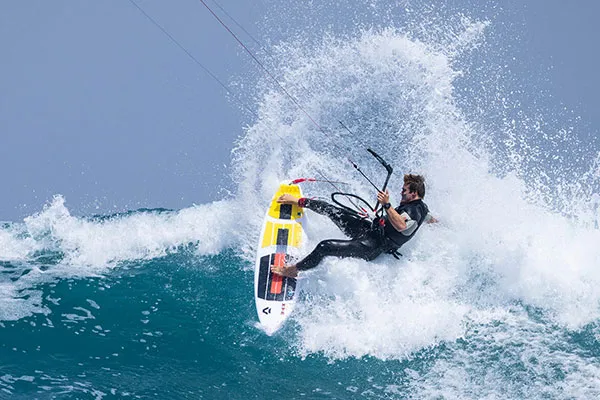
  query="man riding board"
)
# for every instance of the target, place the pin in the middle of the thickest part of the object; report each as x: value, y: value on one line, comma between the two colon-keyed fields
x: 367, y: 239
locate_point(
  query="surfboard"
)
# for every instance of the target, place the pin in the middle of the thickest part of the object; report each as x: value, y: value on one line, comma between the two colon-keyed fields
x: 280, y: 239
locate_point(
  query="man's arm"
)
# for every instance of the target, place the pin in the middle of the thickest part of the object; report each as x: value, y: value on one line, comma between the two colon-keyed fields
x: 430, y: 219
x: 398, y: 221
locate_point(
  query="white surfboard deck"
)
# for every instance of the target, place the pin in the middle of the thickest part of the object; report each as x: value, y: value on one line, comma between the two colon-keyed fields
x: 281, y: 236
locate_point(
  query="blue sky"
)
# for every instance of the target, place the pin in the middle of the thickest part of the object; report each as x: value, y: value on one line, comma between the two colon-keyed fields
x: 97, y: 104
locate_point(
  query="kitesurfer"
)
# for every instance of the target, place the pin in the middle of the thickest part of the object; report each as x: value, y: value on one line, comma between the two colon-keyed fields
x: 368, y: 239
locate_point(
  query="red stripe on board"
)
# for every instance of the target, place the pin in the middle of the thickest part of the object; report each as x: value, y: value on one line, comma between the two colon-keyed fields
x: 277, y: 280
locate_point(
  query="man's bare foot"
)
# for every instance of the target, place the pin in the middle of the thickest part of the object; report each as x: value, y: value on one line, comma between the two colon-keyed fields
x: 287, y: 199
x: 289, y: 271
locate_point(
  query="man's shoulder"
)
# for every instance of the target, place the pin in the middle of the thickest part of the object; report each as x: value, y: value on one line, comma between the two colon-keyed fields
x: 417, y: 206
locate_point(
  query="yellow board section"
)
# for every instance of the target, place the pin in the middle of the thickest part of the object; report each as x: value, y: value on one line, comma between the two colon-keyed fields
x: 287, y: 225
x: 294, y: 234
x: 275, y: 209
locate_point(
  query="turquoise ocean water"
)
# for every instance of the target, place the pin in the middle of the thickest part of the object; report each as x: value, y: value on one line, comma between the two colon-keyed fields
x: 500, y: 300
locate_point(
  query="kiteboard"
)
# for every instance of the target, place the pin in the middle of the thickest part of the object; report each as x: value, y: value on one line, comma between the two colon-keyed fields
x: 280, y: 239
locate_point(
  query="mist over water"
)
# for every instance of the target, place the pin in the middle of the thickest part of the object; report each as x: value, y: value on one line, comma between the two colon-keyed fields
x: 500, y: 299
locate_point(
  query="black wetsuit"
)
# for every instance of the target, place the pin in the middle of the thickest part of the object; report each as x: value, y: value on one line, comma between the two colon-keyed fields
x: 367, y: 239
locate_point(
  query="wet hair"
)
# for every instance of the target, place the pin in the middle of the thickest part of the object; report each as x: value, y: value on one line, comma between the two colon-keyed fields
x: 416, y: 183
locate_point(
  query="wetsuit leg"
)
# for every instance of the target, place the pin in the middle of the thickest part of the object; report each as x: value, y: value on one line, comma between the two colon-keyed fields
x: 367, y: 248
x: 352, y: 225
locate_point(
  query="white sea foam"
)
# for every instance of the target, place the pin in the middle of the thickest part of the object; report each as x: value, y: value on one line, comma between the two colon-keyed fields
x: 84, y: 247
x: 101, y: 243
x: 13, y: 246
x: 509, y: 355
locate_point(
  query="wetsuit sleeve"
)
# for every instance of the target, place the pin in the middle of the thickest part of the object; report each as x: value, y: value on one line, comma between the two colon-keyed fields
x: 429, y: 218
x: 412, y: 216
x: 411, y: 225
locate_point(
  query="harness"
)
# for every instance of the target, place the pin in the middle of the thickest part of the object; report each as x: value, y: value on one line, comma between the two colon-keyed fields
x: 378, y: 226
x: 362, y: 209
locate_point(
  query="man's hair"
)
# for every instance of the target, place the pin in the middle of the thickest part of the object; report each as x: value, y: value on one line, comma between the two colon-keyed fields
x: 416, y: 183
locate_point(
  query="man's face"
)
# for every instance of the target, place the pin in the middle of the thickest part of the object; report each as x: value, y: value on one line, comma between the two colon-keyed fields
x: 407, y: 195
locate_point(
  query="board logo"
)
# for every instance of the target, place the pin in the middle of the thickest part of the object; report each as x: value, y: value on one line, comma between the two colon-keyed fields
x: 266, y: 310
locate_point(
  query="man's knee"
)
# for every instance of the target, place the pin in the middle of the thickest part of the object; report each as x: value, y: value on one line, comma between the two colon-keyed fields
x: 326, y: 246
